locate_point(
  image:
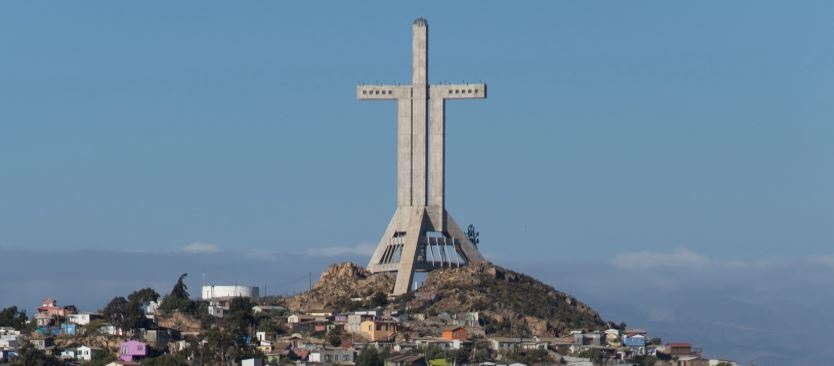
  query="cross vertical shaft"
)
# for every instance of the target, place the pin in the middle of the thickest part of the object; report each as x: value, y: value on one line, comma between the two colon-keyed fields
x: 419, y: 101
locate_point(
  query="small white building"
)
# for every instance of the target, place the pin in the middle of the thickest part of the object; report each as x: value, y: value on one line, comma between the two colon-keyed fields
x: 332, y: 355
x: 251, y: 362
x: 9, y: 338
x: 85, y: 353
x: 68, y: 354
x: 81, y: 318
x: 110, y: 329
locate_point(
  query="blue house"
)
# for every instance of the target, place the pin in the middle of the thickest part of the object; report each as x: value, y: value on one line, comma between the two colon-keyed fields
x: 68, y: 329
x: 634, y: 341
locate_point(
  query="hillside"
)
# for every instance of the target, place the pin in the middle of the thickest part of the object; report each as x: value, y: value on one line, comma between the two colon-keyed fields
x: 513, y: 303
x: 509, y: 303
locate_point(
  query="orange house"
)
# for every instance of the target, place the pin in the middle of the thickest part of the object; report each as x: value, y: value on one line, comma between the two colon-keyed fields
x: 379, y: 330
x: 459, y: 333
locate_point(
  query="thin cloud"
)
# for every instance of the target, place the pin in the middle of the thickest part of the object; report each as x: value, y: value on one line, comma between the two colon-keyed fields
x: 825, y: 260
x: 681, y: 256
x: 201, y: 248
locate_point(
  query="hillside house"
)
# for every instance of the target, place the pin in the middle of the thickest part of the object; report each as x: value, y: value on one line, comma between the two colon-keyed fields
x: 43, y: 343
x: 69, y: 329
x: 636, y: 343
x: 161, y: 336
x: 67, y: 354
x: 406, y: 360
x: 440, y: 343
x: 133, y: 351
x: 379, y: 330
x: 85, y: 353
x: 296, y: 319
x: 679, y: 349
x: 588, y: 338
x: 332, y: 355
x: 459, y: 333
x: 691, y: 361
x: 82, y: 318
x: 263, y: 335
x: 354, y: 322
x: 558, y: 345
x: 9, y: 337
x: 48, y: 312
x: 504, y: 344
x: 252, y: 362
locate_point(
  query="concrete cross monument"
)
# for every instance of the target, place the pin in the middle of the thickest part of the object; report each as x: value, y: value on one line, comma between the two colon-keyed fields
x: 421, y: 236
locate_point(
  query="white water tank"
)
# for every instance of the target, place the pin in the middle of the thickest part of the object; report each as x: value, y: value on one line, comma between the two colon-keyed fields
x: 216, y: 292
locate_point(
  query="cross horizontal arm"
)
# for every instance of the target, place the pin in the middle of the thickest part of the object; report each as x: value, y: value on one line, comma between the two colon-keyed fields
x: 458, y: 91
x: 383, y: 91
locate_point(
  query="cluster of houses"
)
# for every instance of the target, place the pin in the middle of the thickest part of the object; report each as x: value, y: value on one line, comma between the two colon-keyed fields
x: 406, y: 336
x: 447, y: 332
x: 53, y: 322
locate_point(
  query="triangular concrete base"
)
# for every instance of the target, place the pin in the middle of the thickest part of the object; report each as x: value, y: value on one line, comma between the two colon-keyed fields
x: 406, y: 248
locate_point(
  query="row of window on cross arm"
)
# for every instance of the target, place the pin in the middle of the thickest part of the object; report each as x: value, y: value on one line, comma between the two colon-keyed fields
x: 389, y: 92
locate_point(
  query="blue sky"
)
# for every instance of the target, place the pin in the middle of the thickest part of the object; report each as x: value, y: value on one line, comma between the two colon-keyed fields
x: 611, y: 128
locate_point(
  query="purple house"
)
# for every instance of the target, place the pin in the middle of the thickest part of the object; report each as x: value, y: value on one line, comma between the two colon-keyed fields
x: 132, y: 351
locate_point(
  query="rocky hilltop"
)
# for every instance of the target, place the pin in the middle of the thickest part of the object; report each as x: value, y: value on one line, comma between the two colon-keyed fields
x: 338, y: 285
x: 509, y: 303
x: 513, y: 303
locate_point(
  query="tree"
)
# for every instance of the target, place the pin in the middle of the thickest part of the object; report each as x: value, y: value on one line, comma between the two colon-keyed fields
x: 178, y: 299
x: 461, y: 356
x: 379, y: 299
x: 116, y: 311
x: 644, y: 360
x: 101, y: 358
x: 143, y: 296
x: 31, y: 356
x: 334, y: 339
x: 177, y: 359
x: 240, y: 317
x: 11, y: 317
x: 124, y: 314
x: 434, y: 352
x: 369, y: 357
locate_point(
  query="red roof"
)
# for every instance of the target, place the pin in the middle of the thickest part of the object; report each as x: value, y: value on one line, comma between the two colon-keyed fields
x: 680, y: 345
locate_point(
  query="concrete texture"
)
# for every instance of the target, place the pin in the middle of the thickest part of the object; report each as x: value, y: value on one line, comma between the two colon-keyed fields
x: 421, y: 236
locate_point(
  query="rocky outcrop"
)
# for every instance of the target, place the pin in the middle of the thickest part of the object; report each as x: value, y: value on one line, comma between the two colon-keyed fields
x: 511, y: 303
x: 338, y: 285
